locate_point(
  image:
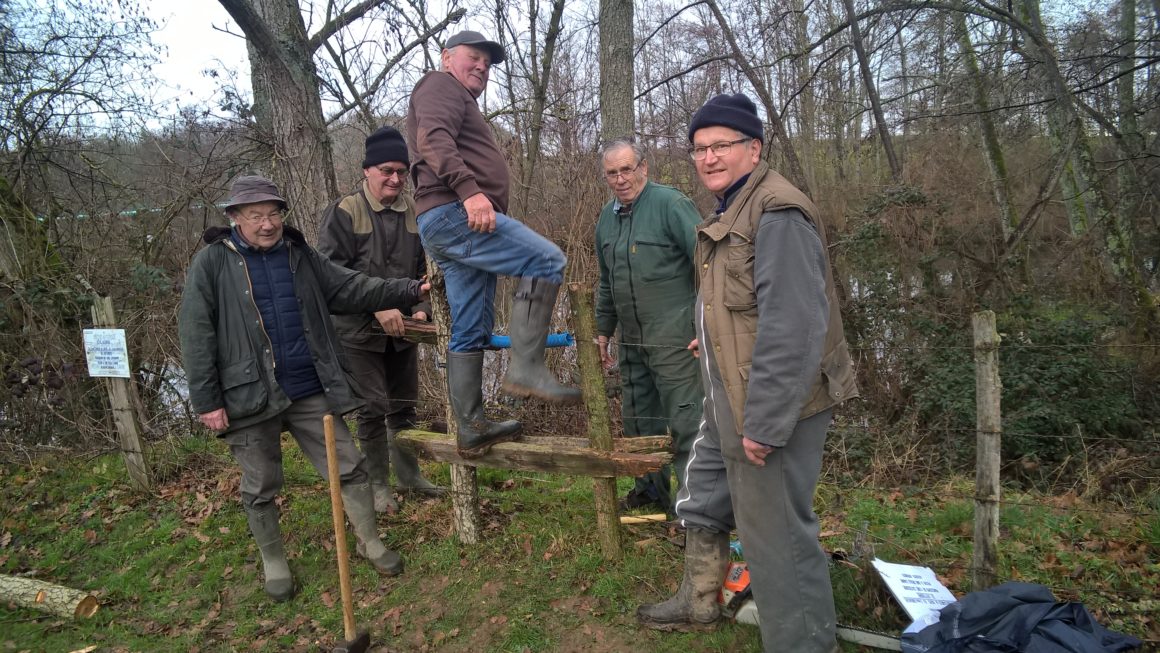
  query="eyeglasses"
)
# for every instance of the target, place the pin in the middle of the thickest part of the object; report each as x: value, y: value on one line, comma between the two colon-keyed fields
x: 388, y: 172
x: 720, y: 148
x: 256, y: 219
x: 624, y: 172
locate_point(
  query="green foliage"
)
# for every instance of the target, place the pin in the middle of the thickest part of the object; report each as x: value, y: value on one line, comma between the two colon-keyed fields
x: 1059, y: 379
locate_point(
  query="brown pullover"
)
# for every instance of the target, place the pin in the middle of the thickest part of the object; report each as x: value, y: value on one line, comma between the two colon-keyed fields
x: 454, y: 150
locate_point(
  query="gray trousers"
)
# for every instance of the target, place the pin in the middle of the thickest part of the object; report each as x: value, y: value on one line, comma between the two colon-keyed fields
x: 772, y: 508
x: 258, y: 449
x: 388, y: 382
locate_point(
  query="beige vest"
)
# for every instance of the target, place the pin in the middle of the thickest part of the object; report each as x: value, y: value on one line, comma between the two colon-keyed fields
x: 725, y: 252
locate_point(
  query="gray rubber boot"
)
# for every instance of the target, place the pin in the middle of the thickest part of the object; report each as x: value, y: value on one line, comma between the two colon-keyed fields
x: 527, y: 376
x: 407, y: 470
x: 465, y: 382
x: 694, y: 606
x: 378, y: 455
x: 358, y: 502
x: 264, y: 527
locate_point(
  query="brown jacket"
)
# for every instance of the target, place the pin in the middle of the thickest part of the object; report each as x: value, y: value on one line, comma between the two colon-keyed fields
x: 453, y: 150
x: 725, y: 259
x: 359, y: 233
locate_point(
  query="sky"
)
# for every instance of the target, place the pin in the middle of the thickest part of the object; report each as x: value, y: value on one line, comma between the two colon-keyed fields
x: 187, y: 30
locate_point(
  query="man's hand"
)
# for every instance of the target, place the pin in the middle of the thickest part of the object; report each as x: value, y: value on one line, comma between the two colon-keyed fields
x: 215, y: 420
x: 480, y: 213
x: 419, y: 315
x: 755, y: 451
x: 424, y: 290
x: 607, y: 360
x: 392, y: 321
x: 695, y: 347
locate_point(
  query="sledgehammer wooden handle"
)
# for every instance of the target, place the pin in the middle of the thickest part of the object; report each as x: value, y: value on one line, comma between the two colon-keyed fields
x: 339, y: 528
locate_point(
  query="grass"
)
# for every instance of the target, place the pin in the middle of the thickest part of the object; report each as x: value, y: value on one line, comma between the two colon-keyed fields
x: 177, y: 571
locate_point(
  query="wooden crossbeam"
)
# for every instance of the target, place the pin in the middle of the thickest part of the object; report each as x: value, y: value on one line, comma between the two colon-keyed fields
x: 542, y: 454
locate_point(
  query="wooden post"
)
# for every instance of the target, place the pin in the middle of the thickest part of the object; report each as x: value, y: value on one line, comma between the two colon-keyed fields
x: 599, y: 429
x: 988, y: 389
x: 125, y: 404
x: 464, y: 484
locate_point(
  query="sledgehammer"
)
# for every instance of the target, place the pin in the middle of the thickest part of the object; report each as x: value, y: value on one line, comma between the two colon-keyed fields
x: 355, y: 642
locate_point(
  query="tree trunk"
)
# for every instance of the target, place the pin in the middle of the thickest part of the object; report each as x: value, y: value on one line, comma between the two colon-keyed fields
x: 872, y: 93
x: 287, y: 106
x: 616, y: 69
x: 46, y: 597
x: 1000, y: 184
x: 541, y: 75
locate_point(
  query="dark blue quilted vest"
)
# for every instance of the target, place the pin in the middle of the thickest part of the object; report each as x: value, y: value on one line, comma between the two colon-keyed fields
x: 273, y: 284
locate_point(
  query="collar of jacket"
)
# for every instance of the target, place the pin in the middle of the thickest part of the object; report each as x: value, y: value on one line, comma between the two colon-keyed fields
x: 731, y: 192
x: 398, y: 206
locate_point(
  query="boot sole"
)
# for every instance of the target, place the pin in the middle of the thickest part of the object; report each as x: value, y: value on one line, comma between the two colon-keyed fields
x: 525, y: 392
x: 476, y: 452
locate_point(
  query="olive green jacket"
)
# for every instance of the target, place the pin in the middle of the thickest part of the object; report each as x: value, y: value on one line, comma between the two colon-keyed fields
x: 225, y: 349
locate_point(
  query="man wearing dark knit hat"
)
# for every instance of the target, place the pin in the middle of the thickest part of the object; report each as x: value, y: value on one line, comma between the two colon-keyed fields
x: 774, y: 363
x: 372, y: 229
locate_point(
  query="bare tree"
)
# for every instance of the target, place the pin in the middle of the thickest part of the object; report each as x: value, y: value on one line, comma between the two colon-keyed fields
x: 287, y: 100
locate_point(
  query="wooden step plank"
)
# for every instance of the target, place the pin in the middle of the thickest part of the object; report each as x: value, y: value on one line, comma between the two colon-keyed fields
x: 529, y: 454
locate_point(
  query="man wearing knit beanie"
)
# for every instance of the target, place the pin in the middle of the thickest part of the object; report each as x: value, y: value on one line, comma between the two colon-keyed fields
x: 774, y: 363
x: 372, y: 229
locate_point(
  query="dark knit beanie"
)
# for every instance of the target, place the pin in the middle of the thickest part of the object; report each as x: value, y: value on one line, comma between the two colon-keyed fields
x: 735, y: 111
x: 385, y: 144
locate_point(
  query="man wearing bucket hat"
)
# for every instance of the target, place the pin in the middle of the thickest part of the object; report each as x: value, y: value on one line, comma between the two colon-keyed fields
x: 461, y: 196
x: 261, y: 357
x: 774, y: 363
x: 372, y: 229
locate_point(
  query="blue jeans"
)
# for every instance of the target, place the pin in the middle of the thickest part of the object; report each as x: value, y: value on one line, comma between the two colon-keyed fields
x: 471, y: 262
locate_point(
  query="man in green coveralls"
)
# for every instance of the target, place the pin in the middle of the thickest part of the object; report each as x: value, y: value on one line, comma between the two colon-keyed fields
x: 644, y: 244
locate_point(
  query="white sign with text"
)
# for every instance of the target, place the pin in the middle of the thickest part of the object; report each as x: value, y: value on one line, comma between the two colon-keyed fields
x: 106, y: 352
x: 916, y: 589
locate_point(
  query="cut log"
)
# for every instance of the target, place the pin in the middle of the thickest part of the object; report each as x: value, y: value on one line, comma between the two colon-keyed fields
x: 530, y: 455
x: 46, y: 597
x: 658, y: 518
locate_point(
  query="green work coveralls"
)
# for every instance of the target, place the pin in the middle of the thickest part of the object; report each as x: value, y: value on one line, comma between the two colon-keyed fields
x: 647, y: 288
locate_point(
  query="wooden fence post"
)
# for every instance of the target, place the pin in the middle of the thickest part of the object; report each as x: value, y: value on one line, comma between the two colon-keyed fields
x: 125, y: 405
x: 464, y: 484
x: 988, y: 389
x: 599, y: 429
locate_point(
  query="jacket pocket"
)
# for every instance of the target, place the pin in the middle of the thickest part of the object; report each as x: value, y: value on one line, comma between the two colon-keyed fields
x: 738, y: 293
x: 836, y: 368
x: 242, y: 389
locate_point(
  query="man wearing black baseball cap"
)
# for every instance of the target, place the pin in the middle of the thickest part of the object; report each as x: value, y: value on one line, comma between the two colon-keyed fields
x: 774, y: 364
x: 461, y: 196
x: 372, y: 229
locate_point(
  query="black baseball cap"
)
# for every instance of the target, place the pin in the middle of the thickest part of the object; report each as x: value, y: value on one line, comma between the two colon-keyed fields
x: 468, y: 37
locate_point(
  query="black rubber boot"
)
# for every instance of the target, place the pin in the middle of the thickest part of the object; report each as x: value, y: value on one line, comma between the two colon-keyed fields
x: 378, y: 455
x: 264, y: 527
x: 527, y: 376
x: 694, y: 606
x: 407, y: 470
x: 465, y: 382
x: 358, y: 502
